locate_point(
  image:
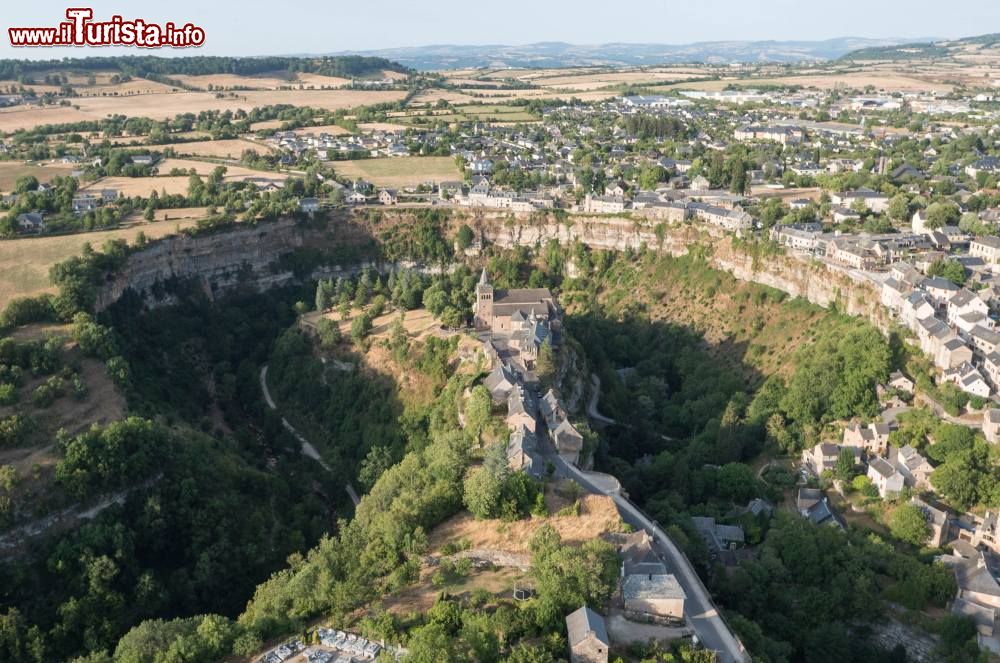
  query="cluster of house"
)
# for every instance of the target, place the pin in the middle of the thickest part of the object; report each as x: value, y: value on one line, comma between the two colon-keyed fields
x: 515, y: 325
x: 952, y: 324
x: 890, y: 468
x: 335, y: 647
x: 377, y: 143
x: 88, y: 201
x: 647, y: 593
x: 786, y: 135
x: 482, y: 194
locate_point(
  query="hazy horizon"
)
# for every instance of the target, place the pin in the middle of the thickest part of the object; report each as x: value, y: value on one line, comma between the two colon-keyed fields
x: 257, y: 28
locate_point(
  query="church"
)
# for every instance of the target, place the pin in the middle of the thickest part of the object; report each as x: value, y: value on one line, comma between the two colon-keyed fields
x: 510, y: 312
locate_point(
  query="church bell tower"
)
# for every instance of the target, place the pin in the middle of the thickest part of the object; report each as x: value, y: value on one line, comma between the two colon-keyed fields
x: 484, y: 303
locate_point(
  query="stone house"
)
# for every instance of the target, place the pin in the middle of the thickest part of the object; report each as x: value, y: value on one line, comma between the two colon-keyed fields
x: 587, y: 636
x: 886, y: 478
x: 991, y: 425
x: 914, y: 467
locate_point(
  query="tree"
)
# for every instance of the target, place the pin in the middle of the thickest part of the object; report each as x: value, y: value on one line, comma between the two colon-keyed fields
x: 899, y: 207
x: 328, y: 332
x: 948, y: 269
x: 736, y: 482
x: 464, y: 237
x: 478, y: 409
x: 545, y: 365
x: 942, y: 214
x: 483, y: 490
x: 845, y: 464
x: 360, y: 327
x: 322, y: 296
x: 909, y: 524
x: 864, y: 485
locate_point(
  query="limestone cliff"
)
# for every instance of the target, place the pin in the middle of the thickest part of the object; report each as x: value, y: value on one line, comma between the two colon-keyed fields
x: 251, y: 254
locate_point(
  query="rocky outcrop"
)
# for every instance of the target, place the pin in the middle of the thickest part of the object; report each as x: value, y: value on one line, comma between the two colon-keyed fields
x: 251, y: 254
x: 218, y: 261
x: 815, y: 281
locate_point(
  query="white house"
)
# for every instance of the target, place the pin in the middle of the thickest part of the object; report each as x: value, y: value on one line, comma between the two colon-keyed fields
x: 886, y: 478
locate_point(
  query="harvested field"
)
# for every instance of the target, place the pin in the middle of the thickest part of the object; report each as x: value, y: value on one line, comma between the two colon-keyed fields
x: 400, y: 171
x: 318, y: 81
x: 133, y: 87
x: 883, y: 81
x: 332, y: 129
x: 598, y: 81
x: 141, y: 186
x: 204, y: 168
x: 226, y: 81
x: 175, y: 214
x: 141, y: 140
x: 25, y: 263
x: 266, y: 125
x: 166, y: 106
x: 381, y: 126
x: 227, y: 149
x: 10, y: 171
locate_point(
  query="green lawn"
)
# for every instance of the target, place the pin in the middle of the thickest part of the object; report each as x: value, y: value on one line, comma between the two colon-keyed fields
x: 400, y: 171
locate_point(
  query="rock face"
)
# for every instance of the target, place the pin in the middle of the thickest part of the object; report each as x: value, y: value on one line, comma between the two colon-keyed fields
x: 250, y: 254
x: 814, y: 281
x: 219, y: 261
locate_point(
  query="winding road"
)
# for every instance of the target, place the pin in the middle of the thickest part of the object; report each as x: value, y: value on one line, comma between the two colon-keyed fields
x: 701, y: 614
x: 307, y: 448
x: 712, y: 630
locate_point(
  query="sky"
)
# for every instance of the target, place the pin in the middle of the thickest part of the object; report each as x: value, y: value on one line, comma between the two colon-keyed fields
x: 258, y: 27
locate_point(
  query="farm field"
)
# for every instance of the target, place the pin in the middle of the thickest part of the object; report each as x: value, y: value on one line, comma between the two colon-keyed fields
x: 401, y: 171
x: 332, y: 129
x: 175, y: 214
x: 204, y: 168
x: 231, y: 148
x: 25, y: 263
x: 892, y: 82
x: 141, y: 186
x: 10, y: 171
x: 597, y: 81
x: 165, y: 106
x: 381, y: 126
x: 141, y: 140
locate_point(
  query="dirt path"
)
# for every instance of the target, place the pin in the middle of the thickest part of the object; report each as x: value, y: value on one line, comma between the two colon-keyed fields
x: 308, y: 449
x: 14, y: 538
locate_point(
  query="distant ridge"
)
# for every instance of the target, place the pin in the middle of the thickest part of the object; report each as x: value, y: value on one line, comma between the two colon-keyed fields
x: 561, y: 54
x: 917, y: 50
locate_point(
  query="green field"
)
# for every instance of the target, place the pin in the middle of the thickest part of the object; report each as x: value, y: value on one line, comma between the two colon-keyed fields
x: 400, y: 171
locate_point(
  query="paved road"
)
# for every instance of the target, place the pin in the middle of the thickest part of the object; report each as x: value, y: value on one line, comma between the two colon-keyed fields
x: 701, y: 613
x: 307, y: 448
x: 595, y: 394
x: 596, y: 416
